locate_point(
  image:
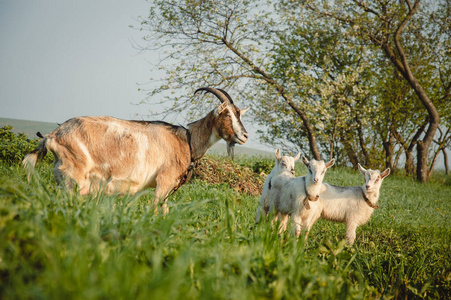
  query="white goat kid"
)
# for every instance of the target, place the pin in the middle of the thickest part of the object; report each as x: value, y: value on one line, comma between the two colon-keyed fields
x: 283, y: 164
x: 119, y: 156
x: 291, y: 196
x: 352, y: 205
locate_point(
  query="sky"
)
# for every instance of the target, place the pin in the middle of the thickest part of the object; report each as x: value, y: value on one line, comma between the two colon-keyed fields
x: 61, y: 59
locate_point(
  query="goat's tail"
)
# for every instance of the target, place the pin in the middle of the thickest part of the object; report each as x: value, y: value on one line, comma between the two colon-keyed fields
x: 31, y: 159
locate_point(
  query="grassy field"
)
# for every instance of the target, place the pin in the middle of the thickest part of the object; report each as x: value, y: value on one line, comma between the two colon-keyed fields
x: 61, y: 246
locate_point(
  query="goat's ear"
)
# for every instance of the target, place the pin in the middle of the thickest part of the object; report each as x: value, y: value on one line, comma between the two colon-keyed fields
x: 361, y: 169
x: 305, y: 161
x: 278, y: 154
x: 297, y: 156
x: 330, y: 163
x: 220, y: 108
x: 243, y: 111
x: 385, y: 173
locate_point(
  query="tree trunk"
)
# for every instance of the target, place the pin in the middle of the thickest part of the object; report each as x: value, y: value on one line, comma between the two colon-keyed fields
x: 403, y: 66
x: 445, y: 158
x: 409, y: 167
x: 350, y: 152
x: 366, y: 156
x: 399, y: 60
x: 389, y: 150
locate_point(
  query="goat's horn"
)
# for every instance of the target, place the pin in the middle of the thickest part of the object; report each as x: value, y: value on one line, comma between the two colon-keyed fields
x: 220, y: 95
x: 226, y: 94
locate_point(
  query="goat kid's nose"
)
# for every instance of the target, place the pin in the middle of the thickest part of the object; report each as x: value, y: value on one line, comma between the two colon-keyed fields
x: 368, y: 186
x: 246, y: 135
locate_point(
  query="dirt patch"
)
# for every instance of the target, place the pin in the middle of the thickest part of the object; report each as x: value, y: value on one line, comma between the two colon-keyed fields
x: 224, y: 170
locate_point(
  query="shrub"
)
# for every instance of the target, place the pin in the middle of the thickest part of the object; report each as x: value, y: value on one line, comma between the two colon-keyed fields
x: 14, y: 147
x: 262, y: 165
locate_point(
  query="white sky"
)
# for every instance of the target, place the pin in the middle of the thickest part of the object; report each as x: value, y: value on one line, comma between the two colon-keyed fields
x: 60, y: 59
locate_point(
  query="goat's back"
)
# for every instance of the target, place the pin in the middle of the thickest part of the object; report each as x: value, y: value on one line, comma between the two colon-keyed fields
x: 113, y: 148
x: 340, y: 204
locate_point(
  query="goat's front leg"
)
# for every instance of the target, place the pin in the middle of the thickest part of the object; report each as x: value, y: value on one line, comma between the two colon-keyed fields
x: 164, y: 187
x: 283, y: 222
x: 350, y: 232
x: 297, y: 224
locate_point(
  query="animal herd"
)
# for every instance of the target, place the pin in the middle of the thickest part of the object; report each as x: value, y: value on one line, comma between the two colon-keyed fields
x: 107, y: 154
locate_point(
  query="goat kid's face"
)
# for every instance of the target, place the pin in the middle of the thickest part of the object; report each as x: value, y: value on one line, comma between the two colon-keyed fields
x: 229, y: 126
x: 317, y: 169
x: 373, y: 178
x: 286, y: 163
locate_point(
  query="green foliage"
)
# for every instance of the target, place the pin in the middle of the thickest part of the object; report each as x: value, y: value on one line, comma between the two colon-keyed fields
x: 323, y: 58
x: 54, y: 244
x: 14, y: 147
x: 262, y: 165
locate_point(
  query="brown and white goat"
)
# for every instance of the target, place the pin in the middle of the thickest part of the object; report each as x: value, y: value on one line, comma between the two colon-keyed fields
x: 119, y: 156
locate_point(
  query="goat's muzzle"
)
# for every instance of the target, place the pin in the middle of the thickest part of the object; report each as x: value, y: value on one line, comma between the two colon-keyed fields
x: 241, y: 139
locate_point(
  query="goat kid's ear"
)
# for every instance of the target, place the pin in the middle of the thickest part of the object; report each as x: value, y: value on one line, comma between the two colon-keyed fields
x: 385, y: 173
x: 278, y: 154
x: 220, y: 109
x: 361, y: 169
x: 305, y: 161
x: 297, y: 156
x: 243, y: 111
x: 330, y: 163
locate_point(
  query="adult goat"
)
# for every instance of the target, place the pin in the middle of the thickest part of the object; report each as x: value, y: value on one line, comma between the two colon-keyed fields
x: 114, y: 155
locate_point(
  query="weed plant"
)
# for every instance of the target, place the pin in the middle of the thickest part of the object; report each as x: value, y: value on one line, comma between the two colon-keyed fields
x: 59, y: 245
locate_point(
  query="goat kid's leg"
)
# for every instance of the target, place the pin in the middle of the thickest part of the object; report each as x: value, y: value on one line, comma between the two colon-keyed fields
x: 350, y: 232
x: 297, y: 224
x: 283, y: 223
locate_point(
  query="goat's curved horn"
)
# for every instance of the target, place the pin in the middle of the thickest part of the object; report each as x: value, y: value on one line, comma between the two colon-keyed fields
x: 220, y: 95
x: 226, y: 94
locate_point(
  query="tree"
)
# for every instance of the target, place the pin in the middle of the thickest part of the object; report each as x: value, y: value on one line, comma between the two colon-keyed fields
x: 395, y: 27
x: 335, y: 77
x: 219, y: 43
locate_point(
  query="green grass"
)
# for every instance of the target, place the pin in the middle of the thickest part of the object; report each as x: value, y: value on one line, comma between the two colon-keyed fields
x: 57, y: 245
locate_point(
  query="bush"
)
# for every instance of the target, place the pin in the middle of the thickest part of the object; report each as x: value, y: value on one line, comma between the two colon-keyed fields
x: 14, y: 147
x: 262, y: 165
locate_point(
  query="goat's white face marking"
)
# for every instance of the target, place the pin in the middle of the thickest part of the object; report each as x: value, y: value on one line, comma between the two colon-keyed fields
x: 239, y: 135
x: 373, y: 178
x: 317, y: 169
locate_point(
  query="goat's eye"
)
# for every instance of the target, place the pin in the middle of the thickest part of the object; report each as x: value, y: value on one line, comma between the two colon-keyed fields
x: 377, y: 180
x: 323, y: 172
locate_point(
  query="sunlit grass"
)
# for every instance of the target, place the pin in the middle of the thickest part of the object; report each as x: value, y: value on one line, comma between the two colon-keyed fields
x: 54, y: 244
